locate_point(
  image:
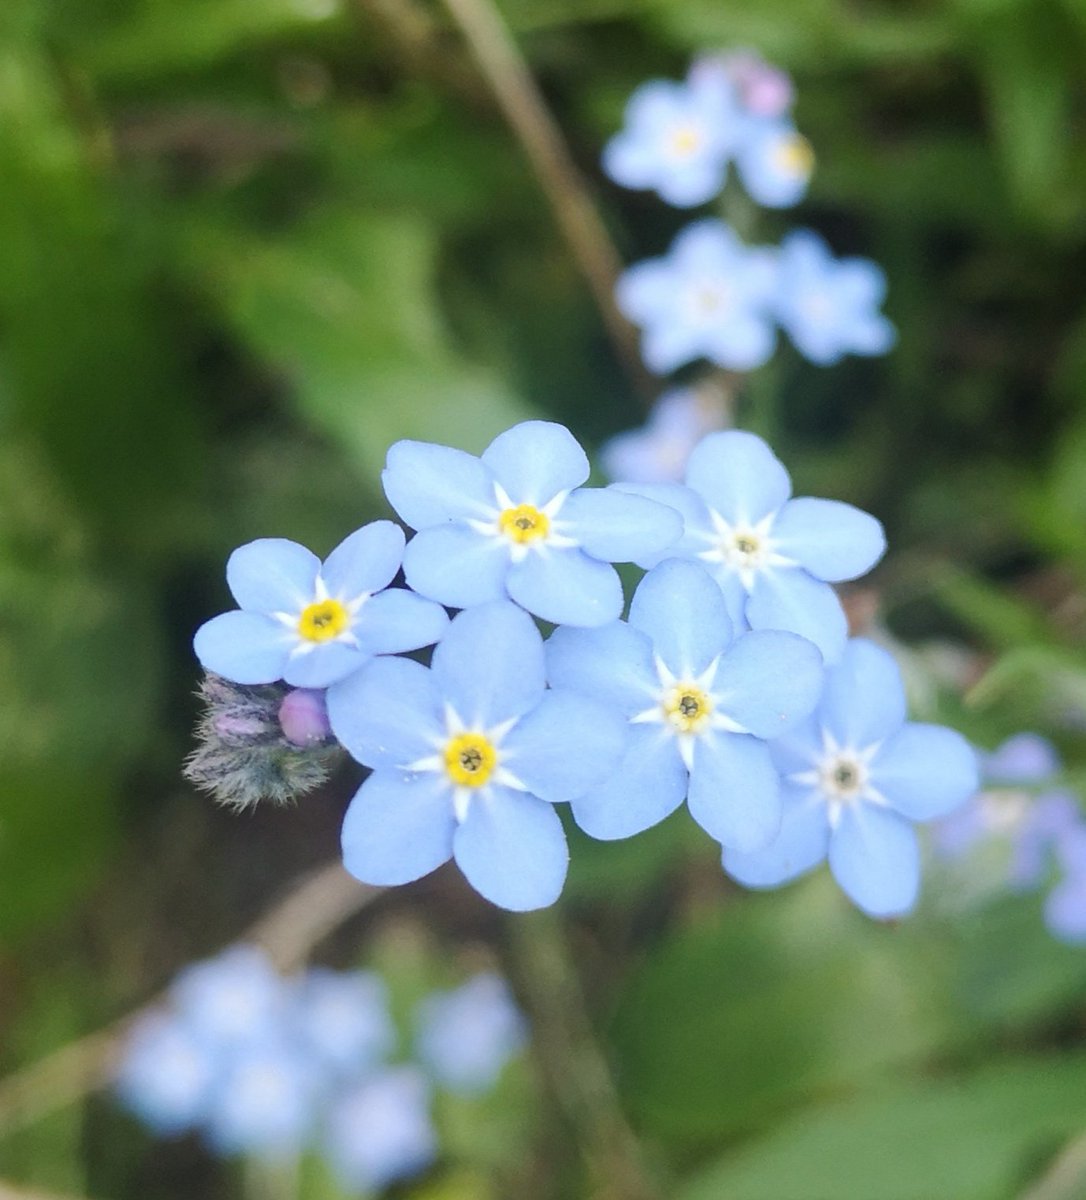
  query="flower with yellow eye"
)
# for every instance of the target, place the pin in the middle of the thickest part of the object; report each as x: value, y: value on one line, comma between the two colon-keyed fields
x: 699, y: 702
x: 469, y: 759
x: 311, y: 623
x: 516, y: 524
x: 774, y: 162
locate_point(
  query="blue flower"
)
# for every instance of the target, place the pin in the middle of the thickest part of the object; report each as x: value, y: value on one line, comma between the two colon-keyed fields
x: 774, y: 162
x: 380, y: 1131
x: 515, y: 523
x: 165, y: 1074
x: 343, y: 1019
x: 708, y: 297
x: 659, y: 450
x: 699, y: 702
x: 230, y: 999
x: 1065, y: 905
x: 774, y: 558
x: 312, y: 623
x: 468, y: 760
x: 827, y: 306
x: 856, y: 776
x: 466, y: 1036
x: 677, y: 139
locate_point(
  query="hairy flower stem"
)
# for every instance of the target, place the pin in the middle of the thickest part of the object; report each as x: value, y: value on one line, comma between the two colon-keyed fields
x: 571, y: 1061
x: 522, y: 104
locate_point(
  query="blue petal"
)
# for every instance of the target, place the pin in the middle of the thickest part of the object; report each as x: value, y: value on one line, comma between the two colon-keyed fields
x: 799, y: 847
x: 1065, y: 910
x: 645, y: 292
x: 738, y: 475
x: 647, y: 786
x: 456, y: 565
x: 875, y: 858
x: 689, y: 505
x: 512, y: 849
x: 693, y: 184
x: 735, y: 791
x: 612, y: 663
x: 244, y: 647
x: 1023, y: 758
x: 670, y: 342
x: 323, y: 664
x: 387, y: 715
x: 536, y: 460
x: 864, y: 700
x: 429, y: 484
x: 618, y: 526
x: 566, y: 587
x: 746, y: 342
x: 489, y: 666
x: 398, y: 620
x: 272, y: 575
x: 832, y: 540
x: 564, y: 746
x: 801, y: 748
x: 631, y: 161
x: 367, y: 561
x: 398, y: 827
x: 683, y: 611
x: 925, y: 771
x: 768, y: 681
x: 790, y: 599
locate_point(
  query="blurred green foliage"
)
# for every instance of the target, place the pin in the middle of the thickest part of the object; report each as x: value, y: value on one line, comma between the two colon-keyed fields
x: 244, y: 246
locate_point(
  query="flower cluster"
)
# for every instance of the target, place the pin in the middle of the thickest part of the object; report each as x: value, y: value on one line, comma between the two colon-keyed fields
x: 272, y: 1067
x: 1035, y: 827
x: 704, y: 692
x: 711, y: 296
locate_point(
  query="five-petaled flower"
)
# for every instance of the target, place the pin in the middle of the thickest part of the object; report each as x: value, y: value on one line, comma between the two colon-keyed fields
x: 311, y: 623
x: 773, y: 557
x: 698, y: 701
x: 469, y: 758
x: 515, y: 523
x: 856, y: 776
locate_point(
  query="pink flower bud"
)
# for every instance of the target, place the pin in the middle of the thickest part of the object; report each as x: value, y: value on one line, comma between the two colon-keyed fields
x: 304, y: 718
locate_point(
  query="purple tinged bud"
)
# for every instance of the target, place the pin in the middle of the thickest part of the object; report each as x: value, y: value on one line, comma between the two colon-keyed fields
x: 228, y: 725
x: 304, y: 717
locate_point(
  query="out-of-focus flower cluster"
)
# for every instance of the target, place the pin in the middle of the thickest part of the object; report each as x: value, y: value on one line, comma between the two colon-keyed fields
x: 1023, y: 831
x: 731, y: 684
x: 711, y: 296
x: 272, y: 1067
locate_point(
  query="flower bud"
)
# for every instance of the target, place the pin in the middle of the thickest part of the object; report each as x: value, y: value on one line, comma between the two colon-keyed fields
x: 304, y: 717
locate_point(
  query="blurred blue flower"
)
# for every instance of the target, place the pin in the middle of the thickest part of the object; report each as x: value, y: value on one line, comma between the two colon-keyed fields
x: 231, y: 999
x: 699, y: 702
x: 659, y: 450
x: 1025, y: 758
x: 1065, y: 905
x: 773, y: 557
x: 762, y: 89
x: 774, y: 162
x: 677, y: 139
x: 855, y: 778
x: 379, y: 1131
x: 165, y: 1074
x: 708, y: 297
x: 311, y: 623
x: 830, y: 307
x: 468, y: 760
x: 344, y: 1018
x: 466, y: 1036
x: 516, y: 523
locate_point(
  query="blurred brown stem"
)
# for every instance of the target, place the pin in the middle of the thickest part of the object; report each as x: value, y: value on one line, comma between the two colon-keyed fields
x: 9, y: 1191
x: 313, y: 908
x: 521, y: 102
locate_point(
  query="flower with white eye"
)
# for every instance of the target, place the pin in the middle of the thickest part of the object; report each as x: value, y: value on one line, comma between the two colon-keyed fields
x: 856, y: 776
x: 311, y: 623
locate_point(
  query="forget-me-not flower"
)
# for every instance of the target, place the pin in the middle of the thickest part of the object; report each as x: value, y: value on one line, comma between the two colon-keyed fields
x: 516, y: 523
x: 709, y: 297
x: 659, y: 450
x: 855, y: 777
x: 344, y: 1018
x: 380, y: 1131
x: 311, y: 623
x: 699, y: 702
x: 829, y: 307
x: 469, y: 758
x: 466, y: 1036
x: 774, y: 162
x: 773, y: 557
x: 677, y: 139
x: 232, y: 998
x: 165, y: 1074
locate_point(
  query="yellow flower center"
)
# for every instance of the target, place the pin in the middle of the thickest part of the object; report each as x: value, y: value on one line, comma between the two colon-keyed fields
x: 524, y: 524
x: 794, y: 156
x: 687, y: 707
x: 470, y: 759
x: 685, y: 140
x: 324, y: 620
